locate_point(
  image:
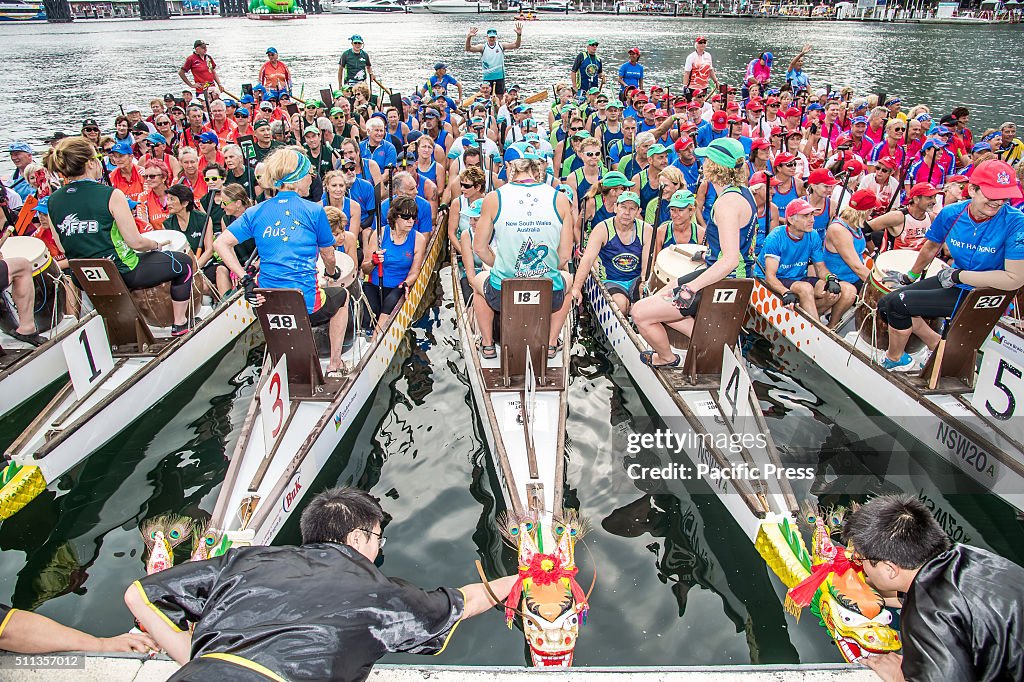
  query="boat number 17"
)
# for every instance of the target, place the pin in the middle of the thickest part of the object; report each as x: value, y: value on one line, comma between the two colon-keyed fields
x: 281, y: 322
x: 724, y: 296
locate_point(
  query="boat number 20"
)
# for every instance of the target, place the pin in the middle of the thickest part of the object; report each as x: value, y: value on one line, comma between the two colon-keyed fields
x: 281, y: 321
x: 989, y: 301
x: 724, y: 296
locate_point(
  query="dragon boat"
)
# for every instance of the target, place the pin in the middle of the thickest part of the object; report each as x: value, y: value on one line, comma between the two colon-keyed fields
x: 298, y: 417
x: 970, y: 418
x: 122, y: 361
x: 521, y: 397
x: 710, y: 394
x: 829, y: 582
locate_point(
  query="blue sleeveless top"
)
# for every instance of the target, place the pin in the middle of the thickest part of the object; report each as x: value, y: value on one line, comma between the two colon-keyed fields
x: 835, y: 263
x: 821, y: 222
x: 782, y: 199
x: 745, y: 267
x: 709, y: 201
x: 430, y: 173
x: 582, y: 185
x: 397, y: 258
x: 670, y: 235
x: 621, y: 262
x: 647, y: 192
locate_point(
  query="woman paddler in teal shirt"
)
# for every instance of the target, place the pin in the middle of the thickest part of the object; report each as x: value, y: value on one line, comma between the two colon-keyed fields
x: 730, y: 238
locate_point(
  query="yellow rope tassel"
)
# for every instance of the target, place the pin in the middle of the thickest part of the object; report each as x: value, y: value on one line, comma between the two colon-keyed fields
x: 22, y: 486
x: 792, y: 608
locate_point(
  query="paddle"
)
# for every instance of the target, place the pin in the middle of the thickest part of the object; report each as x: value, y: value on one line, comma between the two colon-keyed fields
x: 537, y: 97
x: 646, y: 274
x: 844, y: 177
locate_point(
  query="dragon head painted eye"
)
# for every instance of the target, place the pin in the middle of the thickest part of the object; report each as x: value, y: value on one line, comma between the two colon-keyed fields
x: 175, y: 533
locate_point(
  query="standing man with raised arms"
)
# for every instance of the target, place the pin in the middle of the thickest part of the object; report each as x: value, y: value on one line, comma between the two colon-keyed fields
x: 492, y: 55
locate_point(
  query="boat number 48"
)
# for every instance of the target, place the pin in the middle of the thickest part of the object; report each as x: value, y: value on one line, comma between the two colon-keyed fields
x: 281, y: 321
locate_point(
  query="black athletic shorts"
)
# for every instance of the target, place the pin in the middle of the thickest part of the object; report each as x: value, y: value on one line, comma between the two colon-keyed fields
x: 335, y: 298
x: 5, y: 277
x: 493, y: 297
x: 498, y: 86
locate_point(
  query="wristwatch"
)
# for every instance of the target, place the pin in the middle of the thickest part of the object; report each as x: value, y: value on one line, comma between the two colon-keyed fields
x: 336, y: 276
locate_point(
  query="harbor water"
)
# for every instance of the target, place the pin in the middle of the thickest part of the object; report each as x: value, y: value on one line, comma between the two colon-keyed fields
x: 678, y: 583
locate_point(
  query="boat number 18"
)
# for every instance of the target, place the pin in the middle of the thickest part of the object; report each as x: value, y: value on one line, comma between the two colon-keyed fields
x: 281, y: 322
x: 527, y: 298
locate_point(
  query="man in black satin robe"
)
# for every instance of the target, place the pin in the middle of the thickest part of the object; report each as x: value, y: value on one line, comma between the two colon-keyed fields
x: 963, y: 608
x: 319, y: 611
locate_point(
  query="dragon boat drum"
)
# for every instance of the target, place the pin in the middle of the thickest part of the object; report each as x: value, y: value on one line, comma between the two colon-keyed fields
x: 50, y: 294
x: 674, y: 262
x: 345, y: 265
x: 154, y: 303
x: 883, y: 280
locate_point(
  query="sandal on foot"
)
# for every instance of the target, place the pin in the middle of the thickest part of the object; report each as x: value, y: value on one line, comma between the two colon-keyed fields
x: 339, y: 373
x: 31, y: 339
x: 554, y: 350
x: 647, y: 357
x: 489, y: 352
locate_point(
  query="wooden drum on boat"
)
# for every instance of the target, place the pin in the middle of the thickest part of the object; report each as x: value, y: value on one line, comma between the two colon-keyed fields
x: 884, y: 278
x: 345, y: 264
x: 675, y: 261
x: 50, y: 294
x: 154, y: 303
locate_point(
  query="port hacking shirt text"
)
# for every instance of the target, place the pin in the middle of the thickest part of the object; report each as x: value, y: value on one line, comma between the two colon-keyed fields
x: 314, y: 612
x: 527, y: 232
x: 979, y: 246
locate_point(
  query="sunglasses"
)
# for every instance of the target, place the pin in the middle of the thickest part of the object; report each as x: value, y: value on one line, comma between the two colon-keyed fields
x: 106, y: 150
x: 407, y: 216
x: 791, y: 164
x: 900, y: 129
x: 90, y: 130
x: 467, y: 185
x: 885, y: 170
x: 153, y: 176
x: 348, y: 169
x: 576, y: 130
x: 228, y: 202
x: 591, y: 154
x: 163, y: 123
x: 214, y: 178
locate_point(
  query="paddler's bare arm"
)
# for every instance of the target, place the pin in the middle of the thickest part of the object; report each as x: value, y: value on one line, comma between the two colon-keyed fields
x: 470, y: 47
x: 328, y: 255
x: 184, y: 78
x: 925, y: 256
x: 888, y: 222
x: 177, y: 644
x: 485, y: 228
x: 731, y: 213
x: 519, y: 39
x: 597, y: 240
x: 1009, y: 279
x: 771, y: 275
x: 31, y: 633
x: 224, y: 245
x: 564, y: 208
x: 667, y: 124
x: 477, y: 599
x: 118, y: 207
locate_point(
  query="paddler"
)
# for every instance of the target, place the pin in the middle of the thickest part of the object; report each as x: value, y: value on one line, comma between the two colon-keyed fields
x: 699, y: 70
x: 598, y: 204
x: 730, y: 234
x: 985, y: 238
x: 274, y: 74
x: 585, y: 177
x: 647, y: 182
x: 906, y: 227
x: 682, y: 226
x: 202, y: 68
x: 492, y: 55
x: 541, y: 251
x: 354, y: 65
x: 126, y: 175
x: 94, y: 221
x: 782, y: 267
x: 620, y: 243
x: 289, y: 233
x: 21, y: 157
x: 25, y: 632
x: 16, y: 273
x: 394, y: 255
x: 320, y: 611
x: 952, y: 596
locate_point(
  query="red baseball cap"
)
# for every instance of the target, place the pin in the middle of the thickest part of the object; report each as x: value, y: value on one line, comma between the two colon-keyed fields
x: 784, y: 157
x: 863, y: 200
x: 656, y: 87
x: 640, y: 98
x: 732, y: 106
x: 650, y: 108
x: 700, y: 38
x: 700, y: 92
x: 735, y: 119
x: 777, y: 130
x: 755, y: 105
x: 958, y: 178
x: 759, y: 178
x: 683, y: 142
x: 719, y: 120
x: 681, y: 102
x: 996, y: 179
x: 771, y: 100
x: 799, y: 206
x: 716, y: 97
x: 853, y: 167
x: 821, y: 176
x: 922, y: 189
x: 634, y: 50
x: 792, y: 111
x: 794, y: 133
x: 660, y: 113
x: 887, y: 162
x: 687, y: 126
x: 842, y: 139
x: 693, y: 105
x: 759, y: 143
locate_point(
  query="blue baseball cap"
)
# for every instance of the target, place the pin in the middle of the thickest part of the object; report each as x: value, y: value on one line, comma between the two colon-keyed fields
x: 860, y: 119
x: 259, y: 88
x: 247, y: 99
x: 567, y: 191
x: 356, y: 38
x: 933, y: 143
x: 815, y: 107
x: 769, y: 57
x: 122, y: 147
x: 242, y: 111
x: 473, y: 210
x: 44, y: 205
x: 157, y: 138
x: 943, y: 130
x: 271, y: 50
x: 230, y: 102
x: 492, y: 32
x: 19, y: 146
x: 521, y: 150
x: 981, y: 147
x: 209, y: 137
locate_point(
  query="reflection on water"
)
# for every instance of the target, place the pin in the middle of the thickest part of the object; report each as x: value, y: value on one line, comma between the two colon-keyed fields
x: 678, y: 583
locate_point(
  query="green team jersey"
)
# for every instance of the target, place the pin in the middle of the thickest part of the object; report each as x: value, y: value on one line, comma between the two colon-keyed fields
x: 193, y: 231
x: 247, y: 180
x: 322, y: 163
x: 355, y: 66
x: 262, y: 153
x: 80, y: 211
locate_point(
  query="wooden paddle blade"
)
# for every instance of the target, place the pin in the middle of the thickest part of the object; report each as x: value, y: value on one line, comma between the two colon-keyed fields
x: 537, y: 97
